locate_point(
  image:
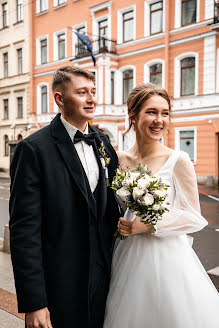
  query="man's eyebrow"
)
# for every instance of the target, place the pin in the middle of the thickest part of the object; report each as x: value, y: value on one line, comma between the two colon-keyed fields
x: 85, y: 88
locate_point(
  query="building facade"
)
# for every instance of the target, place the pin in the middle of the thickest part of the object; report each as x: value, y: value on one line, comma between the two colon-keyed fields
x: 14, y: 76
x: 172, y: 43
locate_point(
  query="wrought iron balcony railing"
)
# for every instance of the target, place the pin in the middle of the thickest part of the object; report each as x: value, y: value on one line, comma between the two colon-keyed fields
x: 216, y: 11
x: 102, y: 45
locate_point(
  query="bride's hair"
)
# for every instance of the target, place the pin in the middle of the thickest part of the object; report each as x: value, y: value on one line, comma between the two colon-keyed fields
x: 139, y: 95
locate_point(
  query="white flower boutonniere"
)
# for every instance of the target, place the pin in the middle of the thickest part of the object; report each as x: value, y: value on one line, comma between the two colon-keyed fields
x: 105, y: 161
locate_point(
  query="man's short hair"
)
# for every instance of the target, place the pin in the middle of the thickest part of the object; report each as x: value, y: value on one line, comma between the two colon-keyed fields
x: 66, y: 74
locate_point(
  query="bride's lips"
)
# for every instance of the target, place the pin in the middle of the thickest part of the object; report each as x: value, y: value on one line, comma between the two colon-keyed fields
x: 156, y: 129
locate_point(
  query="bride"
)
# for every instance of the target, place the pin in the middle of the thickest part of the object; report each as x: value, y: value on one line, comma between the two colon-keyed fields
x: 157, y: 280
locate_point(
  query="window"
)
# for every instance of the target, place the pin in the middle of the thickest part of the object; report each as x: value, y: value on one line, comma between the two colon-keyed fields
x: 19, y: 107
x: 60, y: 2
x: 156, y: 74
x: 5, y: 108
x: 187, y: 142
x: 188, y: 76
x: 19, y: 10
x: 156, y: 17
x: 6, y: 142
x: 43, y: 51
x: 42, y: 5
x: 61, y: 46
x: 19, y: 61
x: 112, y: 87
x: 127, y: 84
x: 189, y: 8
x: 103, y: 32
x: 128, y: 22
x: 44, y: 97
x: 5, y: 14
x: 5, y: 61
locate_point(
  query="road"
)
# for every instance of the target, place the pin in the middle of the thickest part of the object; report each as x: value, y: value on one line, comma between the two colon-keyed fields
x: 206, y: 242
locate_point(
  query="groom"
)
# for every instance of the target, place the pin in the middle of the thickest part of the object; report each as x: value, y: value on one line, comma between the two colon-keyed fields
x: 62, y: 214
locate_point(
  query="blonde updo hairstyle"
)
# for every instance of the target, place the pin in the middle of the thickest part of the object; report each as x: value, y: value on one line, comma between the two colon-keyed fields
x: 139, y: 95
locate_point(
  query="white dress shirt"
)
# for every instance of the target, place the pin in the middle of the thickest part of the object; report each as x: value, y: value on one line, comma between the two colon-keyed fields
x: 85, y: 153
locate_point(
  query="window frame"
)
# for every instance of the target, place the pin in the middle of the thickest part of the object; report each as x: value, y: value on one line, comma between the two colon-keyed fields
x: 156, y: 73
x: 5, y: 65
x: 147, y: 70
x: 182, y: 1
x: 123, y: 82
x: 177, y: 139
x: 39, y: 99
x: 5, y: 117
x: 181, y: 70
x: 42, y: 94
x: 41, y: 47
x: 20, y: 61
x: 5, y: 15
x: 123, y: 25
x: 161, y: 9
x: 6, y: 145
x: 120, y: 31
x: 19, y: 10
x: 56, y: 44
x: 20, y: 108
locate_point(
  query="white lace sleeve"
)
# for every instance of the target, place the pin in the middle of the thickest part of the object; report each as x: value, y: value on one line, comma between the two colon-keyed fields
x: 185, y: 215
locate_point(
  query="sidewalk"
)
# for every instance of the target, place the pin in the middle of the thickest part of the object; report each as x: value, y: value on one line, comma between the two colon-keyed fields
x: 9, y: 318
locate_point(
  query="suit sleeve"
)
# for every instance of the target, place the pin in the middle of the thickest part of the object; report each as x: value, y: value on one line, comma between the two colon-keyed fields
x: 25, y: 229
x: 185, y: 215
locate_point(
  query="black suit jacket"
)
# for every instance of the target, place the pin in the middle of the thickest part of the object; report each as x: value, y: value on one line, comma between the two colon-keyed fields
x: 52, y: 216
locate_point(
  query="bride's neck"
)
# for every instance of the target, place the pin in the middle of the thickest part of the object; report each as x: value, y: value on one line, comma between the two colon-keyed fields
x: 143, y: 148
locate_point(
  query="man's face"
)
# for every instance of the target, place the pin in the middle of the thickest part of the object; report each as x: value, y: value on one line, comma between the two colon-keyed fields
x: 78, y: 101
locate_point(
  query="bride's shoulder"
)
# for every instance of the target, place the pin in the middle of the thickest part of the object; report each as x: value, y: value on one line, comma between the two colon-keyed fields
x: 123, y: 154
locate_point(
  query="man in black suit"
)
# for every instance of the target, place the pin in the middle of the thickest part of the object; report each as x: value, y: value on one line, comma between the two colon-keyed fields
x: 62, y: 214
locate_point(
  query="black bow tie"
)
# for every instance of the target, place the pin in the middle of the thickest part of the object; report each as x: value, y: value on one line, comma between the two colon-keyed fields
x: 88, y: 138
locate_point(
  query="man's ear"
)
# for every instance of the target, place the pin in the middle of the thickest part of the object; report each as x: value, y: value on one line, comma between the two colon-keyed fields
x: 58, y: 98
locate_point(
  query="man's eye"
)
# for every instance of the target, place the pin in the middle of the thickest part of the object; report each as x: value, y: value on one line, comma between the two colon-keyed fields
x: 82, y: 92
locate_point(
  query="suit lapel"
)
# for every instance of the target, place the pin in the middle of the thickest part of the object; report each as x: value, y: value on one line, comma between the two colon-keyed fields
x: 71, y: 158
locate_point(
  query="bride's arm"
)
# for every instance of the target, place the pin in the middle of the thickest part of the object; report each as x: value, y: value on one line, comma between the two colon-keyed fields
x: 185, y: 216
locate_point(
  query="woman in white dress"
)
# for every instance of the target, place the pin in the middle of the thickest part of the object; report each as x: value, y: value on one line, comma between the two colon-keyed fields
x: 157, y: 280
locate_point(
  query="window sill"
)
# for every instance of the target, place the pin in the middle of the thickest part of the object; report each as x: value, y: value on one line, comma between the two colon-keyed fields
x: 4, y: 28
x: 18, y: 22
x: 42, y: 12
x: 60, y: 6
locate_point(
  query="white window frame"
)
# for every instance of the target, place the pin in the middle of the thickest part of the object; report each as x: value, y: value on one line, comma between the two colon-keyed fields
x: 95, y: 23
x: 147, y: 70
x: 39, y: 107
x: 55, y: 44
x: 38, y: 6
x: 7, y: 16
x: 120, y: 24
x: 177, y: 72
x: 74, y: 36
x: 177, y: 139
x: 147, y: 16
x: 55, y: 3
x: 178, y: 13
x: 21, y: 12
x: 38, y: 49
x: 108, y: 96
x: 119, y: 82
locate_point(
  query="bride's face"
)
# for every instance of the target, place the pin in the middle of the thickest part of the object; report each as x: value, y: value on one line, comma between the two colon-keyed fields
x: 153, y: 119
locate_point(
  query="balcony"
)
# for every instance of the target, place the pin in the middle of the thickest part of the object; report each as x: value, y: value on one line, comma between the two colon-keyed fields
x: 216, y: 11
x: 99, y: 46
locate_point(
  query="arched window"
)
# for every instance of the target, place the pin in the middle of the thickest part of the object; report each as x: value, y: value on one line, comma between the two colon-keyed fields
x: 44, y: 96
x: 156, y: 74
x: 127, y: 84
x: 188, y: 76
x: 6, y: 142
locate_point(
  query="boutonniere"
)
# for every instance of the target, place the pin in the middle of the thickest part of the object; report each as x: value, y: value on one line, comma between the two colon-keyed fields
x: 105, y: 161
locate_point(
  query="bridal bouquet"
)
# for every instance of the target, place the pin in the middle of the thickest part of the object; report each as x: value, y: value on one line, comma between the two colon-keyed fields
x: 141, y: 194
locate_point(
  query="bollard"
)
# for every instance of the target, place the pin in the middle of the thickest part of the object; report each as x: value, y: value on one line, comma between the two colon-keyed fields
x: 210, y: 181
x: 6, y: 242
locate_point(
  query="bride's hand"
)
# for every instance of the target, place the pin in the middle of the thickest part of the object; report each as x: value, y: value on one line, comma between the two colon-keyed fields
x: 135, y: 227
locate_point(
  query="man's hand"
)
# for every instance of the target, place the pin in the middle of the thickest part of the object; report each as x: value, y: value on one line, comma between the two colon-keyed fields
x: 38, y: 319
x: 135, y: 227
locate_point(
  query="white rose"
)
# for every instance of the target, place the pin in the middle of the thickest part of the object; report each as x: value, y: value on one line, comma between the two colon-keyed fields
x: 103, y: 162
x: 123, y: 193
x: 137, y: 193
x: 165, y: 204
x: 144, y: 182
x: 148, y: 199
x: 156, y: 207
x: 160, y: 193
x: 134, y: 175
